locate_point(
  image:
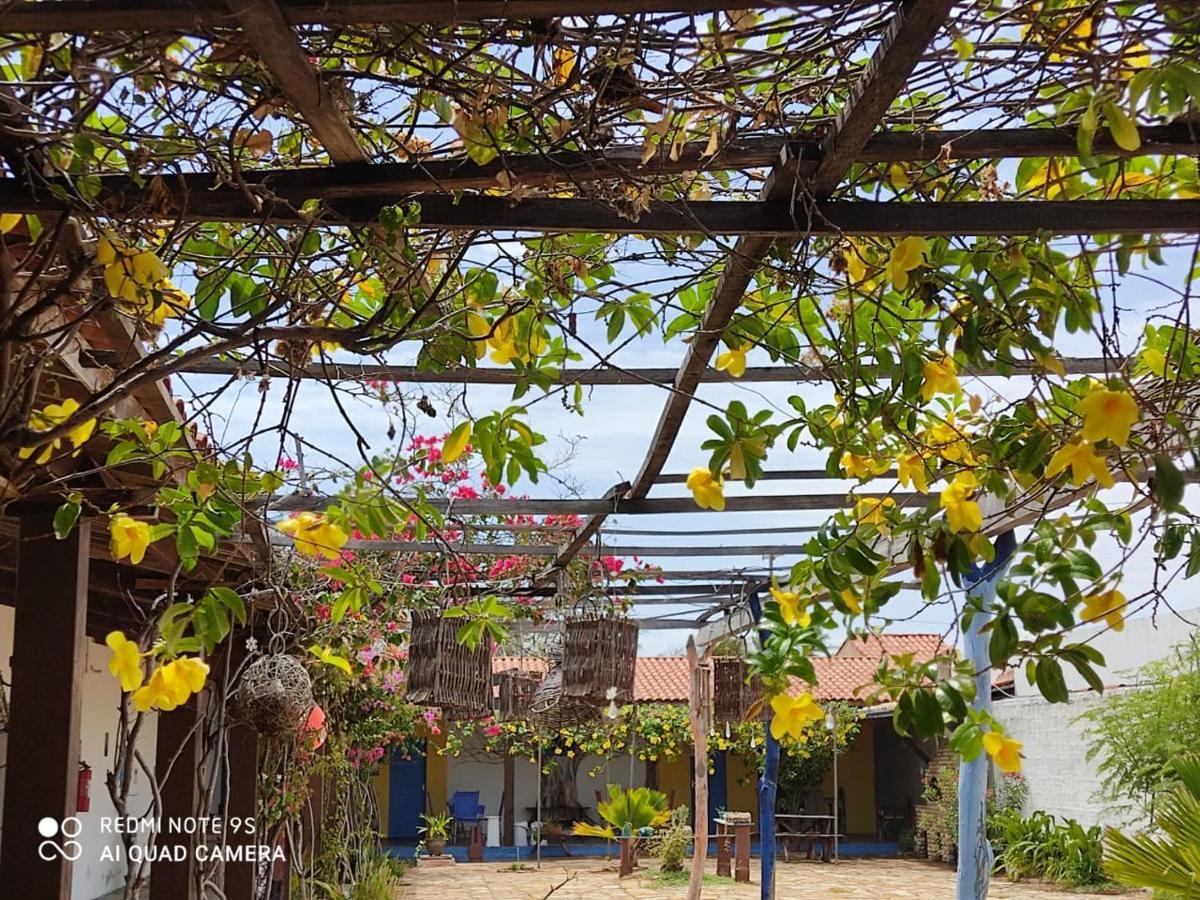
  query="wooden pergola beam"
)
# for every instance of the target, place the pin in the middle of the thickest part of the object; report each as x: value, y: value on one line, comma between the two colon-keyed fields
x: 77, y: 16
x: 548, y: 550
x: 605, y: 374
x: 268, y: 30
x: 620, y: 506
x: 360, y: 179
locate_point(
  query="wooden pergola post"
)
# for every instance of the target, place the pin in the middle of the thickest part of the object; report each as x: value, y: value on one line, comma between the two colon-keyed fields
x: 49, y: 657
x: 508, y: 823
x: 242, y: 785
x: 974, y: 850
x: 177, y: 756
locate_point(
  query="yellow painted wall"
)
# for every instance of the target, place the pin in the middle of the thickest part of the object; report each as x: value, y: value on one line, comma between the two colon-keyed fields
x: 676, y: 775
x: 380, y: 783
x: 741, y: 785
x: 435, y: 772
x: 856, y: 777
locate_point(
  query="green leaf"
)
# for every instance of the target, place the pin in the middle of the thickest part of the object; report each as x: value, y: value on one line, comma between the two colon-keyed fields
x: 65, y: 518
x: 1168, y: 482
x: 1049, y: 678
x: 1122, y: 128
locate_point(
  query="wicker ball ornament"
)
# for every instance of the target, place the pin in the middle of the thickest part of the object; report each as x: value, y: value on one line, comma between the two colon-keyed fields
x: 554, y: 709
x: 274, y: 695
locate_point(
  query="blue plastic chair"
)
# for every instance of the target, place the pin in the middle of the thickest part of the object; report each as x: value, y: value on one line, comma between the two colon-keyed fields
x: 465, y: 810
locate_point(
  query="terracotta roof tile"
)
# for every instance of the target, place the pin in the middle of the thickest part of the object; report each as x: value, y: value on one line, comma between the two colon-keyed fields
x: 846, y: 676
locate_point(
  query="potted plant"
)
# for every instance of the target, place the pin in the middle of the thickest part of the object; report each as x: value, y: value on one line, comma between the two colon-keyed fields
x: 435, y: 830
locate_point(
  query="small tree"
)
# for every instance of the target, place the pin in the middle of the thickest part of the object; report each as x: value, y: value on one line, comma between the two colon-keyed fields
x: 1135, y: 735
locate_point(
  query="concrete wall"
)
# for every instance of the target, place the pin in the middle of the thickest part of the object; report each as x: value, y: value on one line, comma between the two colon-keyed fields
x: 92, y: 877
x: 1061, y: 779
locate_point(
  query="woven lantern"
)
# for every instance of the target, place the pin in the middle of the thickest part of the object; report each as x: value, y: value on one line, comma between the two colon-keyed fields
x: 599, y: 655
x: 274, y: 695
x: 732, y: 696
x: 445, y: 673
x: 552, y: 708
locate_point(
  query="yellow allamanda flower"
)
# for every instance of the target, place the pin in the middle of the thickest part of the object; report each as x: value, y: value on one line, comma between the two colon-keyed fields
x: 1004, y: 751
x: 962, y: 513
x: 941, y: 377
x: 872, y: 511
x: 314, y: 535
x: 732, y: 361
x: 949, y: 442
x: 706, y: 488
x: 910, y: 471
x: 51, y: 416
x: 1108, y: 415
x: 171, y: 684
x: 906, y: 256
x: 1107, y: 605
x: 792, y: 715
x: 862, y: 467
x: 128, y: 537
x: 1085, y: 463
x: 478, y: 328
x: 792, y: 607
x: 126, y: 662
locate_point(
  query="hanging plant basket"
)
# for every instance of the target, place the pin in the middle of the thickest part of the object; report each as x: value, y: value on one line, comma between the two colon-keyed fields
x: 550, y: 707
x: 274, y: 695
x: 600, y: 655
x: 515, y: 692
x: 733, y: 697
x: 445, y: 673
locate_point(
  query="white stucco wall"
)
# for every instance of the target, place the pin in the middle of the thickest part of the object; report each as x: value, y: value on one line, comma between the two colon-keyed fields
x: 471, y: 771
x: 92, y: 877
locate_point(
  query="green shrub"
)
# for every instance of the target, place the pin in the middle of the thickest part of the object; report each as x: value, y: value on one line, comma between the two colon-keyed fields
x: 670, y: 844
x: 1039, y: 846
x: 375, y: 880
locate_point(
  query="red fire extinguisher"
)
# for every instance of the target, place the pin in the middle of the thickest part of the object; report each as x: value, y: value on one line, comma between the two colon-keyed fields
x: 83, y: 796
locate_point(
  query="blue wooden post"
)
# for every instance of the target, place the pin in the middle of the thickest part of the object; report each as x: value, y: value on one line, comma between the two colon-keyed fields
x: 767, y: 785
x: 974, y: 849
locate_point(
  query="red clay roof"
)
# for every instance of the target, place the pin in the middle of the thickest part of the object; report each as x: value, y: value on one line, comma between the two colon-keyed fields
x: 848, y: 675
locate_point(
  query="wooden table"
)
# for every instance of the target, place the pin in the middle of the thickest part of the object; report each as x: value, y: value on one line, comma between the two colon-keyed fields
x: 800, y: 827
x: 741, y: 848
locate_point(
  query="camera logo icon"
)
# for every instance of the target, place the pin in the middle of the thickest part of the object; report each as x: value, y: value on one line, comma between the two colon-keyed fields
x: 69, y: 849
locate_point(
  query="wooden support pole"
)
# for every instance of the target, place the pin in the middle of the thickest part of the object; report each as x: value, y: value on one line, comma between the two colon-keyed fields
x: 974, y: 850
x: 242, y: 786
x: 698, y: 712
x: 176, y: 756
x: 42, y: 765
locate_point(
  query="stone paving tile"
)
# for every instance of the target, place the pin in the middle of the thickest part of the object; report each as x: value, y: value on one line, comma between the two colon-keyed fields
x: 857, y: 879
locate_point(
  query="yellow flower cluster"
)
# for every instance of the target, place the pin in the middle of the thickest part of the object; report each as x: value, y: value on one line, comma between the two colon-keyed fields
x: 792, y: 715
x: 872, y: 511
x: 707, y: 489
x: 127, y: 537
x: 51, y: 416
x: 169, y: 686
x: 733, y: 361
x: 315, y: 535
x: 1107, y: 415
x: 862, y: 467
x: 941, y: 377
x: 139, y: 279
x: 1107, y: 605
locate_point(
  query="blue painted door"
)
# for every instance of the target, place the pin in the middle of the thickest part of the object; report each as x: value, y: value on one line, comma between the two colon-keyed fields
x: 716, y: 787
x: 406, y: 794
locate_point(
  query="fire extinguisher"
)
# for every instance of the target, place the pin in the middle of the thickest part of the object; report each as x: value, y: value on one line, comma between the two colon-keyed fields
x: 83, y: 796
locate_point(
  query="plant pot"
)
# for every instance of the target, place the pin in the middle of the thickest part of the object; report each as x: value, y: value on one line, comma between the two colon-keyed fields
x: 435, y: 846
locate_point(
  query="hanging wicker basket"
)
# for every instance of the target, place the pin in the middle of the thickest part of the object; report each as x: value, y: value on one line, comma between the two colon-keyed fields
x: 733, y: 697
x: 445, y: 673
x: 600, y: 655
x: 552, y: 708
x: 515, y: 693
x: 274, y: 695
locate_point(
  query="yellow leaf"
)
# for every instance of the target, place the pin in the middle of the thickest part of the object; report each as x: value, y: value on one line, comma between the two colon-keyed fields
x: 564, y: 64
x: 8, y: 221
x: 1122, y: 128
x: 456, y: 443
x: 714, y: 142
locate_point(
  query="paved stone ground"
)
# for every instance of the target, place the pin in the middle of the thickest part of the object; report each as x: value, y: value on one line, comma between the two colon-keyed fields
x: 857, y: 879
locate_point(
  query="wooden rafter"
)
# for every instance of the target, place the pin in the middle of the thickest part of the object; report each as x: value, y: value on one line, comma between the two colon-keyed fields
x: 605, y: 375
x: 348, y: 181
x: 911, y: 30
x: 269, y: 32
x: 76, y: 16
